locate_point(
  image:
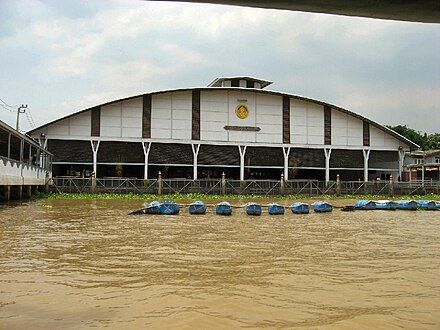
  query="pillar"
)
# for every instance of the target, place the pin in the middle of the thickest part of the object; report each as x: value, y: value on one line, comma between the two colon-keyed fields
x: 146, y: 146
x: 7, y: 193
x: 286, y: 152
x: 195, y: 150
x: 95, y: 147
x: 391, y: 185
x: 223, y: 183
x: 242, y: 150
x: 282, y: 184
x: 338, y: 185
x: 401, y: 161
x: 159, y: 183
x: 327, y: 153
x: 366, y: 153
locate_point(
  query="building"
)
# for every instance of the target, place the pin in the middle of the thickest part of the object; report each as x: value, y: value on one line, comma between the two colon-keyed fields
x: 234, y: 126
x: 422, y: 165
x: 25, y: 166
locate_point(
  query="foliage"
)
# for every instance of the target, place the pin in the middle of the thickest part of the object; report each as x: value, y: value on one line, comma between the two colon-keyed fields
x: 197, y: 196
x: 425, y: 141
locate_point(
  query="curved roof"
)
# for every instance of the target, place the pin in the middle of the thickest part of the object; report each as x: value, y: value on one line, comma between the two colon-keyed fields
x: 401, y: 138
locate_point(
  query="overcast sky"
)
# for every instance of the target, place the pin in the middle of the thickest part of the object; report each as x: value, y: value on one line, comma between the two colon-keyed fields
x: 59, y: 57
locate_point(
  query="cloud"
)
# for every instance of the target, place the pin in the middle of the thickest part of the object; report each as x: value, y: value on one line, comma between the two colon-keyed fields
x: 62, y: 56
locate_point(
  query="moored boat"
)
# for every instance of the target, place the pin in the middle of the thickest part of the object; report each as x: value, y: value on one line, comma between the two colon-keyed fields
x: 152, y: 208
x: 385, y: 204
x: 169, y: 207
x: 365, y: 204
x: 223, y: 208
x: 320, y: 206
x: 404, y: 204
x: 197, y: 207
x: 275, y: 208
x: 253, y: 208
x: 437, y: 205
x: 426, y: 204
x: 300, y: 208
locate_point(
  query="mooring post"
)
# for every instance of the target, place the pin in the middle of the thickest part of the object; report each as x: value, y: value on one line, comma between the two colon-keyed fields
x: 7, y: 193
x: 223, y: 183
x: 338, y: 185
x: 159, y: 183
x: 93, y: 182
x: 282, y: 184
x: 391, y: 186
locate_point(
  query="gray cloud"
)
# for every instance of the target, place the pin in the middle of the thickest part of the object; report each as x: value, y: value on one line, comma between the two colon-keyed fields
x: 60, y: 57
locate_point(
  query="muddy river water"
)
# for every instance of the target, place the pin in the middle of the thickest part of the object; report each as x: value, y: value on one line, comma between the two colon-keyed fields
x: 80, y: 264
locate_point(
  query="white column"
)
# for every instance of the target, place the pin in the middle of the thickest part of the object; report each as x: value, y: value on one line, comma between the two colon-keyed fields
x: 146, y: 146
x: 366, y: 153
x: 95, y: 147
x: 327, y: 153
x: 242, y: 153
x: 195, y: 149
x: 286, y: 152
x: 401, y: 160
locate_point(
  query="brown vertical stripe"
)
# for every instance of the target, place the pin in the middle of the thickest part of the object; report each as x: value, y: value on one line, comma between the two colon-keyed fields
x: 96, y: 121
x: 366, y: 134
x: 327, y: 125
x: 196, y: 115
x: 146, y: 116
x: 286, y: 119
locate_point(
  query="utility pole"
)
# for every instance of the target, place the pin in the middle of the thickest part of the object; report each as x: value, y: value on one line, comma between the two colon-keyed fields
x: 20, y: 109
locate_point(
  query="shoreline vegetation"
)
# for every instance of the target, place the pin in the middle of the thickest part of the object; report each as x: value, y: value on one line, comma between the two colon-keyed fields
x: 197, y: 196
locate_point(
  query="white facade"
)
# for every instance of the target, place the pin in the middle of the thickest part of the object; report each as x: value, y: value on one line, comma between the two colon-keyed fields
x: 272, y: 119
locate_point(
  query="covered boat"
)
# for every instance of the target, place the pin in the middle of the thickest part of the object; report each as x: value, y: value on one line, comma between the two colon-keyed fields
x: 426, y: 204
x: 253, y: 208
x: 365, y: 204
x: 169, y: 207
x: 437, y: 205
x: 320, y: 206
x: 197, y: 207
x: 223, y: 208
x: 404, y: 204
x: 300, y: 208
x: 275, y: 208
x: 152, y: 208
x: 385, y: 204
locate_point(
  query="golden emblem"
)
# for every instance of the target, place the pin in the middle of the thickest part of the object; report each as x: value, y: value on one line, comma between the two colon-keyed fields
x: 242, y: 111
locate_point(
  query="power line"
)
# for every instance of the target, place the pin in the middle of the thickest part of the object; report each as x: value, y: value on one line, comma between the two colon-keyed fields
x: 6, y: 108
x: 9, y: 106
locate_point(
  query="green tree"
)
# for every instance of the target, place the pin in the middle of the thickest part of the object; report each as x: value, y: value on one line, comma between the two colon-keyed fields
x: 410, y: 134
x: 425, y: 141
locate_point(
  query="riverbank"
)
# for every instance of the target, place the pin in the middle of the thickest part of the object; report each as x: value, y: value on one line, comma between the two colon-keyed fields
x: 197, y: 196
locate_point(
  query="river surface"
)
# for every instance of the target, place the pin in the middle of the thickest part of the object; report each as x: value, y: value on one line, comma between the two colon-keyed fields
x: 80, y: 264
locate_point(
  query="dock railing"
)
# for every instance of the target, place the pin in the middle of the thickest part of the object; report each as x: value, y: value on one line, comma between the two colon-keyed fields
x: 237, y: 187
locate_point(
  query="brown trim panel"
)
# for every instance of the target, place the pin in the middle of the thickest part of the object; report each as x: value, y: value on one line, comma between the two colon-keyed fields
x: 195, y: 115
x: 96, y: 122
x: 366, y: 134
x: 327, y: 125
x: 146, y: 116
x: 286, y: 119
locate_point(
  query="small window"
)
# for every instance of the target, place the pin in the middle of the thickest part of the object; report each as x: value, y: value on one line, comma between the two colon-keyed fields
x: 235, y: 83
x: 437, y: 160
x: 418, y: 161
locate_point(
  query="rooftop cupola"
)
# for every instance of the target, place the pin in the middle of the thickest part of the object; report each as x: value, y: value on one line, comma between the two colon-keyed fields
x: 244, y: 82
